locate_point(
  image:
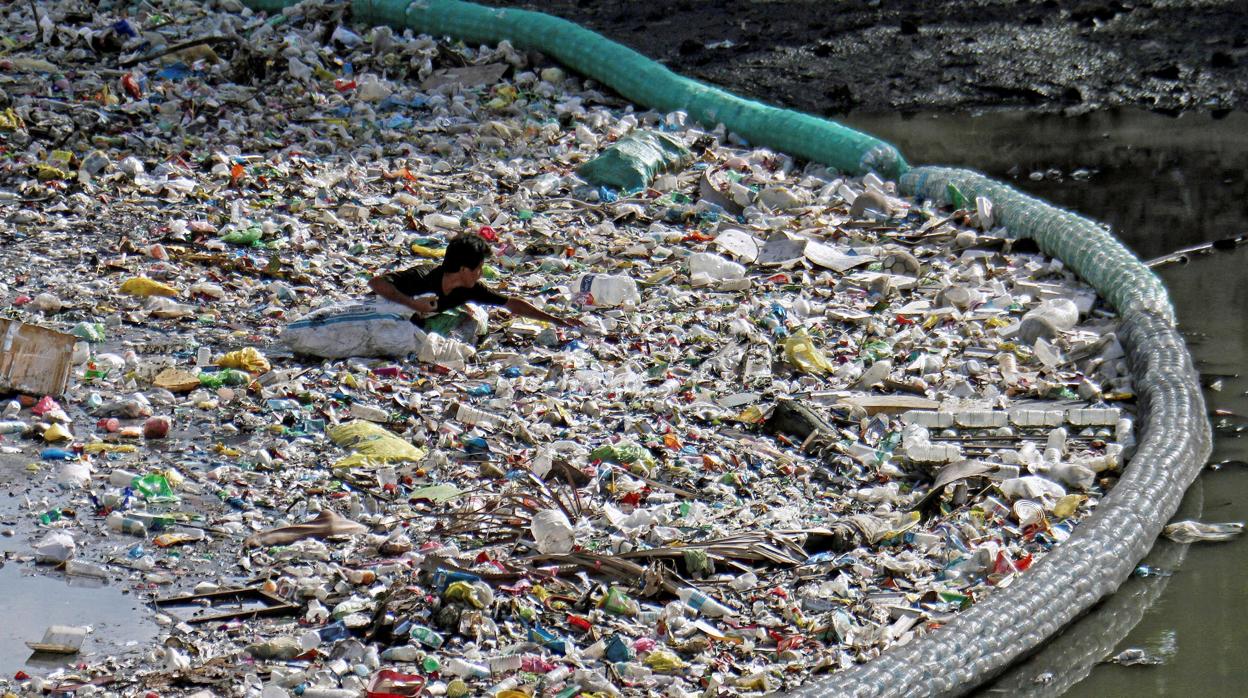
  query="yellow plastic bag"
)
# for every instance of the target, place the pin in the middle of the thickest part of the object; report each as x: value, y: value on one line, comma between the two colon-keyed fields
x: 10, y: 121
x: 1068, y: 505
x: 430, y: 252
x: 249, y: 360
x: 45, y: 172
x: 101, y: 447
x: 801, y: 352
x: 57, y: 432
x: 145, y: 287
x: 663, y: 661
x: 373, y: 445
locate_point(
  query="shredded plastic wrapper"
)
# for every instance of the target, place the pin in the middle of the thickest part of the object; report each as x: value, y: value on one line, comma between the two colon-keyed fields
x: 801, y: 352
x: 373, y: 446
x: 248, y: 359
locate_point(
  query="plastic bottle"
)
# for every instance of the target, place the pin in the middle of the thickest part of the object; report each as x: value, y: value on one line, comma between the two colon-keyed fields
x: 319, y: 692
x: 247, y: 237
x: 980, y: 419
x: 426, y: 636
x: 153, y: 522
x: 441, y: 220
x: 57, y: 454
x: 402, y: 653
x: 608, y: 290
x: 1037, y: 418
x: 702, y: 603
x: 12, y: 427
x: 475, y: 417
x: 465, y: 669
x: 505, y: 663
x: 122, y: 478
x: 1056, y: 441
x: 316, y: 613
x: 442, y: 578
x: 85, y: 569
x: 124, y: 524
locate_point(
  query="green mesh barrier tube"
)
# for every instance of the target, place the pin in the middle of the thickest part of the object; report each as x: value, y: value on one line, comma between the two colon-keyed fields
x: 1082, y: 244
x: 636, y: 78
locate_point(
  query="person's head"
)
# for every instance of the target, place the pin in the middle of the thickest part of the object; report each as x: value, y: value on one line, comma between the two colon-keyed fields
x: 465, y: 257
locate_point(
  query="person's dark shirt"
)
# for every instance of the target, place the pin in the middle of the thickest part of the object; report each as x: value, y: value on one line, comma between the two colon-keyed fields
x: 427, y: 278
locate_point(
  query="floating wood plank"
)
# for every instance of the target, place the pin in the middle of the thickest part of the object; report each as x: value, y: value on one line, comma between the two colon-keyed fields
x: 228, y: 604
x: 875, y: 404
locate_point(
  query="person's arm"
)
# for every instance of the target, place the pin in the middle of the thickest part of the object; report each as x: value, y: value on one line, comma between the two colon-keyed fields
x: 382, y: 287
x: 524, y: 308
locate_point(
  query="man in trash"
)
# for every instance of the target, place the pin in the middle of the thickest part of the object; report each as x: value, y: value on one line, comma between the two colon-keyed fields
x: 430, y: 289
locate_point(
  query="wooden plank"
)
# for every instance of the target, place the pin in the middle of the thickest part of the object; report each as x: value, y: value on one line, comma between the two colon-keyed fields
x: 874, y: 404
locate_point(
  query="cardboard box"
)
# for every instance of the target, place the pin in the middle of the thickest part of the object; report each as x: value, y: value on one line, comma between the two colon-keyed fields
x: 33, y: 359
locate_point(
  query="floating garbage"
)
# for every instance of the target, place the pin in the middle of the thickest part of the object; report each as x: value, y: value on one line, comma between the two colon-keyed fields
x: 1199, y: 532
x: 738, y: 419
x: 61, y: 639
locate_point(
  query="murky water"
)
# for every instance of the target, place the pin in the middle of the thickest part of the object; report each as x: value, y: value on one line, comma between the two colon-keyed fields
x: 38, y: 598
x: 1161, y: 183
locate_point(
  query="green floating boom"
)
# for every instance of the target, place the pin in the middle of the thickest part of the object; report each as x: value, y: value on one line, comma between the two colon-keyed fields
x: 1082, y: 244
x: 634, y: 77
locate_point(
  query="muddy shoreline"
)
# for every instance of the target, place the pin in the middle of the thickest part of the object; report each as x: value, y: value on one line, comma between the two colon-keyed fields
x: 830, y: 58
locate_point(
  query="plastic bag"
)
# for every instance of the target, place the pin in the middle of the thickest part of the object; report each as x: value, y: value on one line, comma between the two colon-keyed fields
x: 73, y: 474
x: 145, y: 287
x: 1197, y: 531
x: 373, y: 445
x: 465, y: 323
x: 229, y: 376
x: 374, y: 328
x: 800, y: 351
x: 250, y: 237
x: 55, y: 548
x: 552, y: 531
x: 635, y: 160
x: 626, y: 453
x: 247, y: 359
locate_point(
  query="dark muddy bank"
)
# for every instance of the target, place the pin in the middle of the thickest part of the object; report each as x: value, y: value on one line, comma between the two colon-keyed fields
x: 884, y: 55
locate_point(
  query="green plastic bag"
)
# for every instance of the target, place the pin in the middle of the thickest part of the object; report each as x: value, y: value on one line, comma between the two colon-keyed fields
x: 625, y: 453
x: 250, y: 237
x: 444, y: 323
x: 634, y: 161
x: 224, y: 377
